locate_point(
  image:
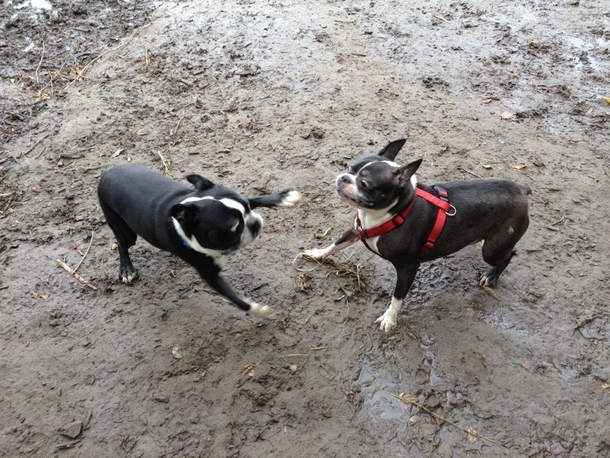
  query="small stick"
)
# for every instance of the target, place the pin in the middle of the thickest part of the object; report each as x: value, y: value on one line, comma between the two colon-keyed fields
x: 40, y: 63
x: 165, y: 167
x: 36, y: 144
x: 329, y: 372
x: 86, y: 251
x: 452, y: 423
x: 153, y: 436
x: 441, y: 18
x: 468, y: 171
x: 91, y: 63
x: 68, y: 269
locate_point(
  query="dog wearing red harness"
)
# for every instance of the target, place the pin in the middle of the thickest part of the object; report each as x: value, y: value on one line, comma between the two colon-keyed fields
x: 408, y: 223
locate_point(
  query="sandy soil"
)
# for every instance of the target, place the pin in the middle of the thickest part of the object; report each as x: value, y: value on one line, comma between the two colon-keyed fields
x: 265, y: 95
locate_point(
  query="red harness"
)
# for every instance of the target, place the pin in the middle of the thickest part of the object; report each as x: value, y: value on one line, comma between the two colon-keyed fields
x: 442, y: 204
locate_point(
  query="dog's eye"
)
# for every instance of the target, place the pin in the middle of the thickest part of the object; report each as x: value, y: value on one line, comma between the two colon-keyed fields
x: 364, y: 184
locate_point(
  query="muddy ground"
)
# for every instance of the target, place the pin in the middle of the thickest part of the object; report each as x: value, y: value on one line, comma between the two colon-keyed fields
x: 265, y: 95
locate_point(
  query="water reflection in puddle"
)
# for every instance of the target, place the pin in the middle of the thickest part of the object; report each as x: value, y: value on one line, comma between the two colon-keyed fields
x: 384, y: 375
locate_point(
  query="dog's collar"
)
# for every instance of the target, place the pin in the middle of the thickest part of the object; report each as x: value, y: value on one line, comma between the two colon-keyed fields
x: 441, y: 203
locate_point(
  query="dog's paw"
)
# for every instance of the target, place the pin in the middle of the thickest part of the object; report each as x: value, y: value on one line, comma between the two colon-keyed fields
x: 317, y: 254
x: 290, y: 198
x: 263, y: 311
x: 387, y: 321
x: 127, y: 275
x: 489, y: 279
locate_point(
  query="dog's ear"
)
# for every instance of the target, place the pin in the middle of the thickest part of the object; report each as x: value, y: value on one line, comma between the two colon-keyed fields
x: 390, y: 151
x: 199, y: 182
x: 407, y: 171
x: 184, y: 214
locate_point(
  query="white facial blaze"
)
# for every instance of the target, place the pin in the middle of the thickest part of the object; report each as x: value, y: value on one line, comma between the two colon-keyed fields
x: 247, y: 216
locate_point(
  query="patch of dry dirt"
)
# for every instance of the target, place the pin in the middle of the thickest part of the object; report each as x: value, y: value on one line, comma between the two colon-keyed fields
x: 265, y: 95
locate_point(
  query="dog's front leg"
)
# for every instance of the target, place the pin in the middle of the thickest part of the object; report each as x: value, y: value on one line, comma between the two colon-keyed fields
x: 404, y: 279
x: 222, y: 287
x: 348, y: 238
x: 285, y: 198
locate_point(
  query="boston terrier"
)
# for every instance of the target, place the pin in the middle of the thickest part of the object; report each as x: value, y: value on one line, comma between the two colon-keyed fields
x: 201, y: 225
x: 408, y: 223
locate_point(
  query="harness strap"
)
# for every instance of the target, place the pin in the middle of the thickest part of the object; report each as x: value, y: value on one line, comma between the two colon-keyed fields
x: 443, y: 207
x: 441, y: 203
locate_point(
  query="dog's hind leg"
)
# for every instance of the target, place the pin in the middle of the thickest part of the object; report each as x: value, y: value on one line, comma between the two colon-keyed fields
x: 126, y: 238
x: 490, y: 278
x: 499, y: 248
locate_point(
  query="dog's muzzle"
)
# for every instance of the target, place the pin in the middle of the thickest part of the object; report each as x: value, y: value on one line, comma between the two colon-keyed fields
x: 253, y: 225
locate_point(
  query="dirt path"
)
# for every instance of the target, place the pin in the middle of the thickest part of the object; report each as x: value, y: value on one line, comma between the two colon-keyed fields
x: 265, y: 95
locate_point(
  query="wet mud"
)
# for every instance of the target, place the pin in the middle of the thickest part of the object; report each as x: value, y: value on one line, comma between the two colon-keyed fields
x: 261, y: 96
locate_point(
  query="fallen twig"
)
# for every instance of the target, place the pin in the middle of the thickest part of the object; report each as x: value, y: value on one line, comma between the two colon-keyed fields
x: 86, y: 252
x: 468, y: 171
x: 68, y: 269
x: 86, y: 67
x: 35, y: 144
x: 441, y: 418
x: 441, y: 18
x: 165, y: 166
x: 40, y: 63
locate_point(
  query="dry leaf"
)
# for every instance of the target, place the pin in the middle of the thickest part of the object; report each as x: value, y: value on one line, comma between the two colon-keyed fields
x: 35, y: 189
x: 114, y: 246
x: 506, y: 115
x: 581, y: 321
x: 249, y: 369
x: 519, y: 166
x: 491, y: 292
x: 606, y: 99
x: 177, y: 352
x: 43, y: 95
x: 471, y: 434
x: 534, y: 44
x: 606, y: 386
x: 293, y: 368
x: 117, y: 152
x: 486, y: 166
x: 527, y: 364
x: 43, y: 296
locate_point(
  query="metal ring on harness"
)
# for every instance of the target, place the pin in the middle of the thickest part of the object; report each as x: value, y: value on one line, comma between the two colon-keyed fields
x: 451, y: 212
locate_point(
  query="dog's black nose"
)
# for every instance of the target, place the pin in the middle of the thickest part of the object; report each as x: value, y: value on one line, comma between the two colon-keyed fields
x: 254, y: 226
x: 344, y: 179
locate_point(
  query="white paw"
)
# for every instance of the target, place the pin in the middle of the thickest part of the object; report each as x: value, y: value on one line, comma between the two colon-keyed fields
x: 291, y: 199
x: 317, y: 253
x: 263, y: 311
x: 387, y: 321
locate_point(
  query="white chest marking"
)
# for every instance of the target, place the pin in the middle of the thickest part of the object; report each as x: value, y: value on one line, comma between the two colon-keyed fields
x: 374, y: 218
x: 219, y: 259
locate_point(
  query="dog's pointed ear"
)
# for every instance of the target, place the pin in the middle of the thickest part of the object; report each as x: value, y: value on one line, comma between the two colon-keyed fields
x: 199, y: 182
x: 407, y: 171
x: 390, y: 151
x: 184, y: 214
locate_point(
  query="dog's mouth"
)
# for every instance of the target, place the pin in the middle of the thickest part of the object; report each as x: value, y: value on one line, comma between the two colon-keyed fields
x: 343, y: 196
